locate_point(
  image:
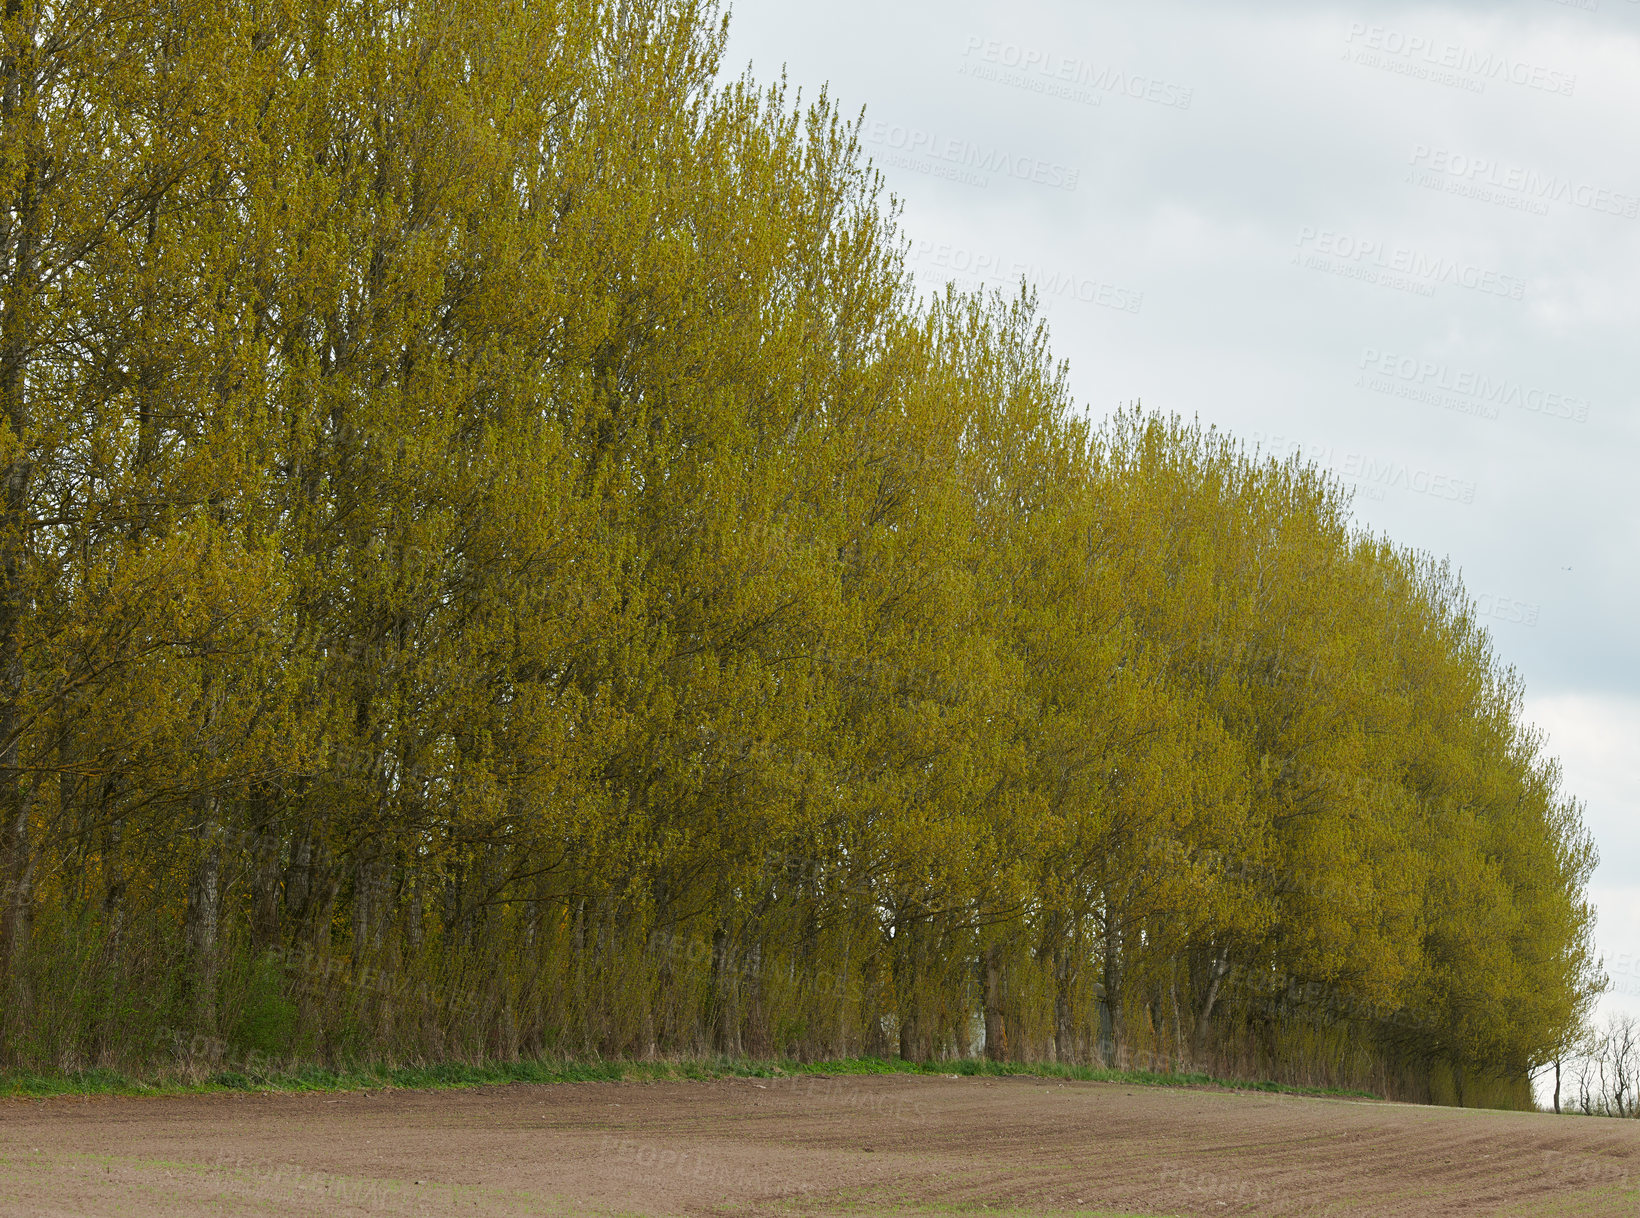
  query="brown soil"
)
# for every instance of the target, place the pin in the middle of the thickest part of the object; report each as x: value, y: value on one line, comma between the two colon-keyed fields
x: 810, y: 1146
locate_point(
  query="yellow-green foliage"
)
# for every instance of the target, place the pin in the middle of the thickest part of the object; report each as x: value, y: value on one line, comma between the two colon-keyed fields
x: 498, y: 559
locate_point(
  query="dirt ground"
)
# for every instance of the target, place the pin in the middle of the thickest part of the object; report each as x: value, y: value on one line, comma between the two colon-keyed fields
x: 808, y: 1146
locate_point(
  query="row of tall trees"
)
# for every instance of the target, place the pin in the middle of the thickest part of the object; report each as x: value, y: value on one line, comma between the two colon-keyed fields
x: 497, y: 558
x: 1599, y: 1074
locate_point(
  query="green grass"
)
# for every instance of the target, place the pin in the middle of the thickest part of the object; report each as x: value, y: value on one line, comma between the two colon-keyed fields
x: 373, y: 1077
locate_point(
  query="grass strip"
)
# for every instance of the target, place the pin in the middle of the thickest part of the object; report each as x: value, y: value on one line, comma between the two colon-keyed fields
x: 373, y: 1076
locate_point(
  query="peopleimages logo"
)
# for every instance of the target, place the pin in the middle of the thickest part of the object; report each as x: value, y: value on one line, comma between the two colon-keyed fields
x: 928, y: 153
x: 1483, y: 172
x: 1067, y: 76
x: 1330, y: 251
x: 1397, y: 475
x: 1507, y: 609
x: 1491, y: 391
x: 1051, y: 283
x: 1434, y: 56
x: 1370, y: 474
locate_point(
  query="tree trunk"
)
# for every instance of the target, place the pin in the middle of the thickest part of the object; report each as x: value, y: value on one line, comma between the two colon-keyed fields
x: 876, y: 1039
x: 369, y: 884
x: 1063, y: 1017
x: 204, y: 919
x: 415, y: 914
x: 1217, y: 970
x: 16, y: 889
x: 299, y: 878
x: 909, y: 944
x: 578, y: 954
x: 1178, y: 1023
x: 759, y: 1042
x: 265, y: 877
x: 20, y: 222
x: 725, y: 1000
x: 996, y: 1026
x: 113, y: 898
x: 1112, y: 1032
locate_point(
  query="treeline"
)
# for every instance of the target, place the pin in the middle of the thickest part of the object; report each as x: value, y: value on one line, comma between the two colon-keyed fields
x: 1599, y: 1074
x: 498, y: 559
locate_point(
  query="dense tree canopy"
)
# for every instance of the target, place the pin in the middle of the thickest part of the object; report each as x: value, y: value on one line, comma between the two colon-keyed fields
x: 497, y: 558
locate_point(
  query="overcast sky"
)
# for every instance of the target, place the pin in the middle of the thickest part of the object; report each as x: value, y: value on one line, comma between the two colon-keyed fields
x: 1404, y: 238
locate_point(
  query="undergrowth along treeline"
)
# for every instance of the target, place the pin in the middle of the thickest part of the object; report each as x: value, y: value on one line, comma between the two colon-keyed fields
x: 498, y: 560
x: 815, y: 1081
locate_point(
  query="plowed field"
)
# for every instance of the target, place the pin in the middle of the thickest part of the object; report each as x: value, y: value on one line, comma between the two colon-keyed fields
x: 814, y: 1146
